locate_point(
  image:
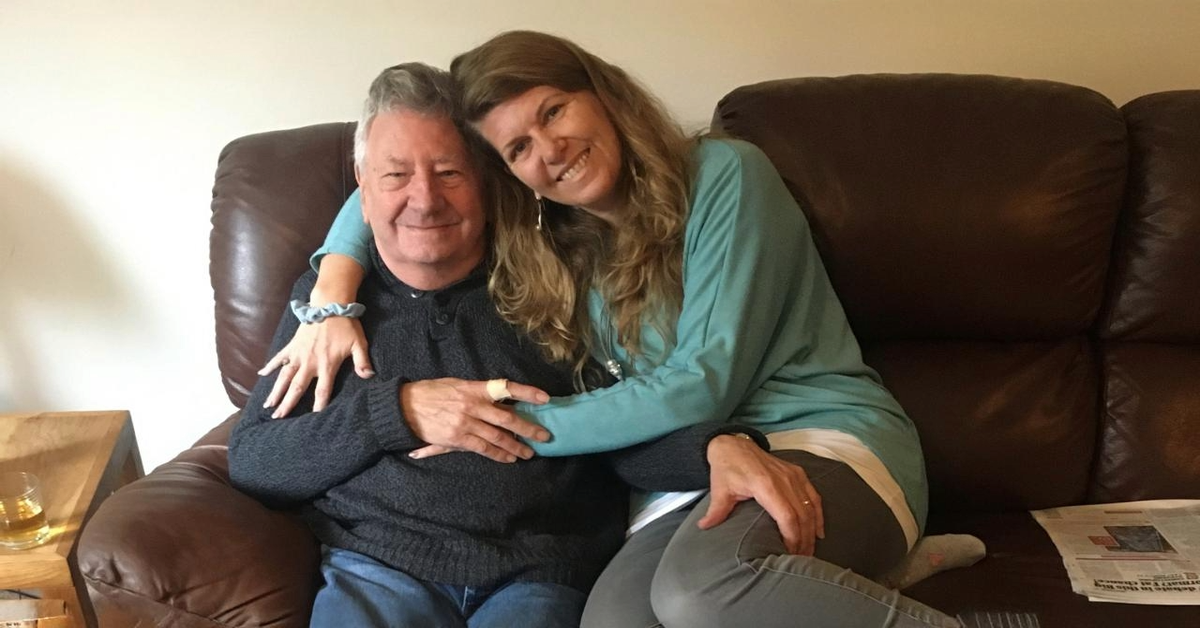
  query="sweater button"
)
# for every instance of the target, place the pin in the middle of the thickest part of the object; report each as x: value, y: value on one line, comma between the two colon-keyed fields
x: 442, y: 318
x: 416, y: 294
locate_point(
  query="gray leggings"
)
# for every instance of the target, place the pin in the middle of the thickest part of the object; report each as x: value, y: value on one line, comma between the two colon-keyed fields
x: 674, y: 575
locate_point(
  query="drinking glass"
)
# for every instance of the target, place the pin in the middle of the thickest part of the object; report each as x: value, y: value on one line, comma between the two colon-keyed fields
x: 23, y: 521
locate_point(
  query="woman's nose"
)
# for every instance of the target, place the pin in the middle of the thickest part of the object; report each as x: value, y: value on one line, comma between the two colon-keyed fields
x: 553, y: 148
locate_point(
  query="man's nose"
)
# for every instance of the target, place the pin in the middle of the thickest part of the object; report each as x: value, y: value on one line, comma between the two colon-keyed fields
x: 423, y: 193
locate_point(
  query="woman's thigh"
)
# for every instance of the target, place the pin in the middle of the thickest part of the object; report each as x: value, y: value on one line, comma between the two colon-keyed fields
x: 739, y: 573
x: 621, y: 597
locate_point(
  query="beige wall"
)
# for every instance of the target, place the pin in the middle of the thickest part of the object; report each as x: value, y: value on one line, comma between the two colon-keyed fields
x: 112, y: 115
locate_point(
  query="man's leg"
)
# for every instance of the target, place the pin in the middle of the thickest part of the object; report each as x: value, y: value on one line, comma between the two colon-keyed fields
x: 361, y: 591
x: 621, y: 597
x: 739, y: 574
x: 530, y: 605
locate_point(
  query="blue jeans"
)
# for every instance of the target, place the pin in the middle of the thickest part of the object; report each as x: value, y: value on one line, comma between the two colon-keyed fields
x: 361, y: 591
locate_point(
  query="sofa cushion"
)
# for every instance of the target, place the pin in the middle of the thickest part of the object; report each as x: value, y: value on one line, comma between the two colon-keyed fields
x: 948, y: 206
x: 1150, y: 328
x: 967, y: 223
x: 1024, y: 572
x: 1148, y: 431
x: 183, y: 548
x: 1155, y: 283
x: 998, y: 419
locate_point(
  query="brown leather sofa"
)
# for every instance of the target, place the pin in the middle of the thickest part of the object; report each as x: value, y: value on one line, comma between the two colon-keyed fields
x: 1021, y: 260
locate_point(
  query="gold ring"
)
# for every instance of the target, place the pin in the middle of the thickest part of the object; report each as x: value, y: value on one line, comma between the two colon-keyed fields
x: 497, y: 389
x: 807, y: 502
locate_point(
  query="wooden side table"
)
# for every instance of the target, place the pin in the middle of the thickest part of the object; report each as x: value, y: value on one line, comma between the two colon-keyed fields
x: 80, y: 458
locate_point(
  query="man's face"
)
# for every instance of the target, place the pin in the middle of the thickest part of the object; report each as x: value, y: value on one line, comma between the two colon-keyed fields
x: 421, y: 195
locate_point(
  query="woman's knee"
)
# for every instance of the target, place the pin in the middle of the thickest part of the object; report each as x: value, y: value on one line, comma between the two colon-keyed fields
x: 676, y: 602
x: 695, y: 593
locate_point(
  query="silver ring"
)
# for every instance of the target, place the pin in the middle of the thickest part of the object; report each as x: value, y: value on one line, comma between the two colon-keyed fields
x: 497, y: 389
x: 284, y: 362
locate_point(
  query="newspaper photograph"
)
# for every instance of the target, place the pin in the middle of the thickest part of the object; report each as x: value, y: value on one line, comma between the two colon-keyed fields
x: 1144, y: 552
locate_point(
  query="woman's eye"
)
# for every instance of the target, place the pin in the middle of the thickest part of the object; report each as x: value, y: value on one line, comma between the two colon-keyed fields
x: 447, y: 174
x: 517, y: 149
x: 553, y: 112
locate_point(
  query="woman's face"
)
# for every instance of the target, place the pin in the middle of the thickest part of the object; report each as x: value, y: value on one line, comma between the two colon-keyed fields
x: 562, y: 145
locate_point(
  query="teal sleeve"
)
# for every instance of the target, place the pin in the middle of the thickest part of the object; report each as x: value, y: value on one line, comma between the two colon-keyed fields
x: 747, y: 250
x: 348, y: 236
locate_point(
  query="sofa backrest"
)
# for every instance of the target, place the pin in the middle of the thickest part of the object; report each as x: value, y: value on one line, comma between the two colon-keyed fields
x: 274, y: 198
x: 1150, y: 328
x: 968, y: 225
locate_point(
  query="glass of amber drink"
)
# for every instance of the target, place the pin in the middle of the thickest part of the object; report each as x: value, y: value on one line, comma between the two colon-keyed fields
x: 23, y: 522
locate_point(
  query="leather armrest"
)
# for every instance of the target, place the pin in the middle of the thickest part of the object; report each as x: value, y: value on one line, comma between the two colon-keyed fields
x: 184, y: 547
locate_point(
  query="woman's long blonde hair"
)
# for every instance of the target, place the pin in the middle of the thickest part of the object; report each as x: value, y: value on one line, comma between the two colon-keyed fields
x: 540, y: 280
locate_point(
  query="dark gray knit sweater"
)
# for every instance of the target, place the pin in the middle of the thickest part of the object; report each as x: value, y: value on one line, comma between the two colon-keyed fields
x: 458, y: 518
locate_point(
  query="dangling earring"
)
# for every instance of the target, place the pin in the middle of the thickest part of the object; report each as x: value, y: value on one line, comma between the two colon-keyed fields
x: 541, y: 209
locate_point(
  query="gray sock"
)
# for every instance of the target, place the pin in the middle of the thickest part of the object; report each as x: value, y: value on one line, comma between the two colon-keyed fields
x: 934, y: 554
x: 999, y: 619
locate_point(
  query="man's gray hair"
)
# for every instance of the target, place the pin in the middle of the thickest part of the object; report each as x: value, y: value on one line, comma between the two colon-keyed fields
x: 413, y: 87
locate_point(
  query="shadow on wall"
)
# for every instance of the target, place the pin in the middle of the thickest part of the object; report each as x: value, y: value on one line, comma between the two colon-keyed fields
x: 48, y: 263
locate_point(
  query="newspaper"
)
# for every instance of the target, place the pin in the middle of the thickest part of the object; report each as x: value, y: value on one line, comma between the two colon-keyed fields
x: 1135, y: 552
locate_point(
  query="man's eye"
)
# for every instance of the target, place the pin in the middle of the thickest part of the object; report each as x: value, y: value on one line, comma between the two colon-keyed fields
x: 396, y: 175
x: 449, y: 174
x: 553, y: 112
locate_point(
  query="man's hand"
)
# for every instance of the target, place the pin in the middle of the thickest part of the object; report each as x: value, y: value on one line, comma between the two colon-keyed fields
x: 741, y: 470
x: 317, y: 350
x: 458, y: 415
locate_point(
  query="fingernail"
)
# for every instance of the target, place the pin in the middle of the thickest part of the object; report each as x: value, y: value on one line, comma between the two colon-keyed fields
x: 274, y: 415
x: 414, y: 455
x: 510, y: 458
x: 368, y: 374
x: 543, y: 397
x: 262, y: 371
x: 543, y: 436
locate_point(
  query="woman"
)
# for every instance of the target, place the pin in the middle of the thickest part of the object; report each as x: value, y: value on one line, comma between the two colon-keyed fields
x: 685, y: 266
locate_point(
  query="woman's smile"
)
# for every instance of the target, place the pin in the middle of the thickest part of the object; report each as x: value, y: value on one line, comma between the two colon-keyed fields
x: 576, y: 167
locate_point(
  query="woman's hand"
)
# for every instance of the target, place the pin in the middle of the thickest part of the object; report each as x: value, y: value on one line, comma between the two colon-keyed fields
x: 317, y: 350
x: 741, y: 470
x: 458, y: 415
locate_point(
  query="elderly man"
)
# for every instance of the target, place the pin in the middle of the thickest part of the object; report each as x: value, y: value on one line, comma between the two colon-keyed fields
x: 459, y: 539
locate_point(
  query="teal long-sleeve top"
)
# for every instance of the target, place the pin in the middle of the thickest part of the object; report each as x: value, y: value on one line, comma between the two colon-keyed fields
x: 761, y: 339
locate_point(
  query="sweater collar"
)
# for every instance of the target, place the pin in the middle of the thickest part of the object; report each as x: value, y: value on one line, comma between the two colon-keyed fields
x: 393, y: 284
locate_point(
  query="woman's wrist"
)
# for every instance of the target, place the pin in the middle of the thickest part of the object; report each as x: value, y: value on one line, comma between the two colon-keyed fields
x: 321, y: 298
x: 338, y: 281
x: 728, y: 442
x: 309, y: 314
x: 741, y: 432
